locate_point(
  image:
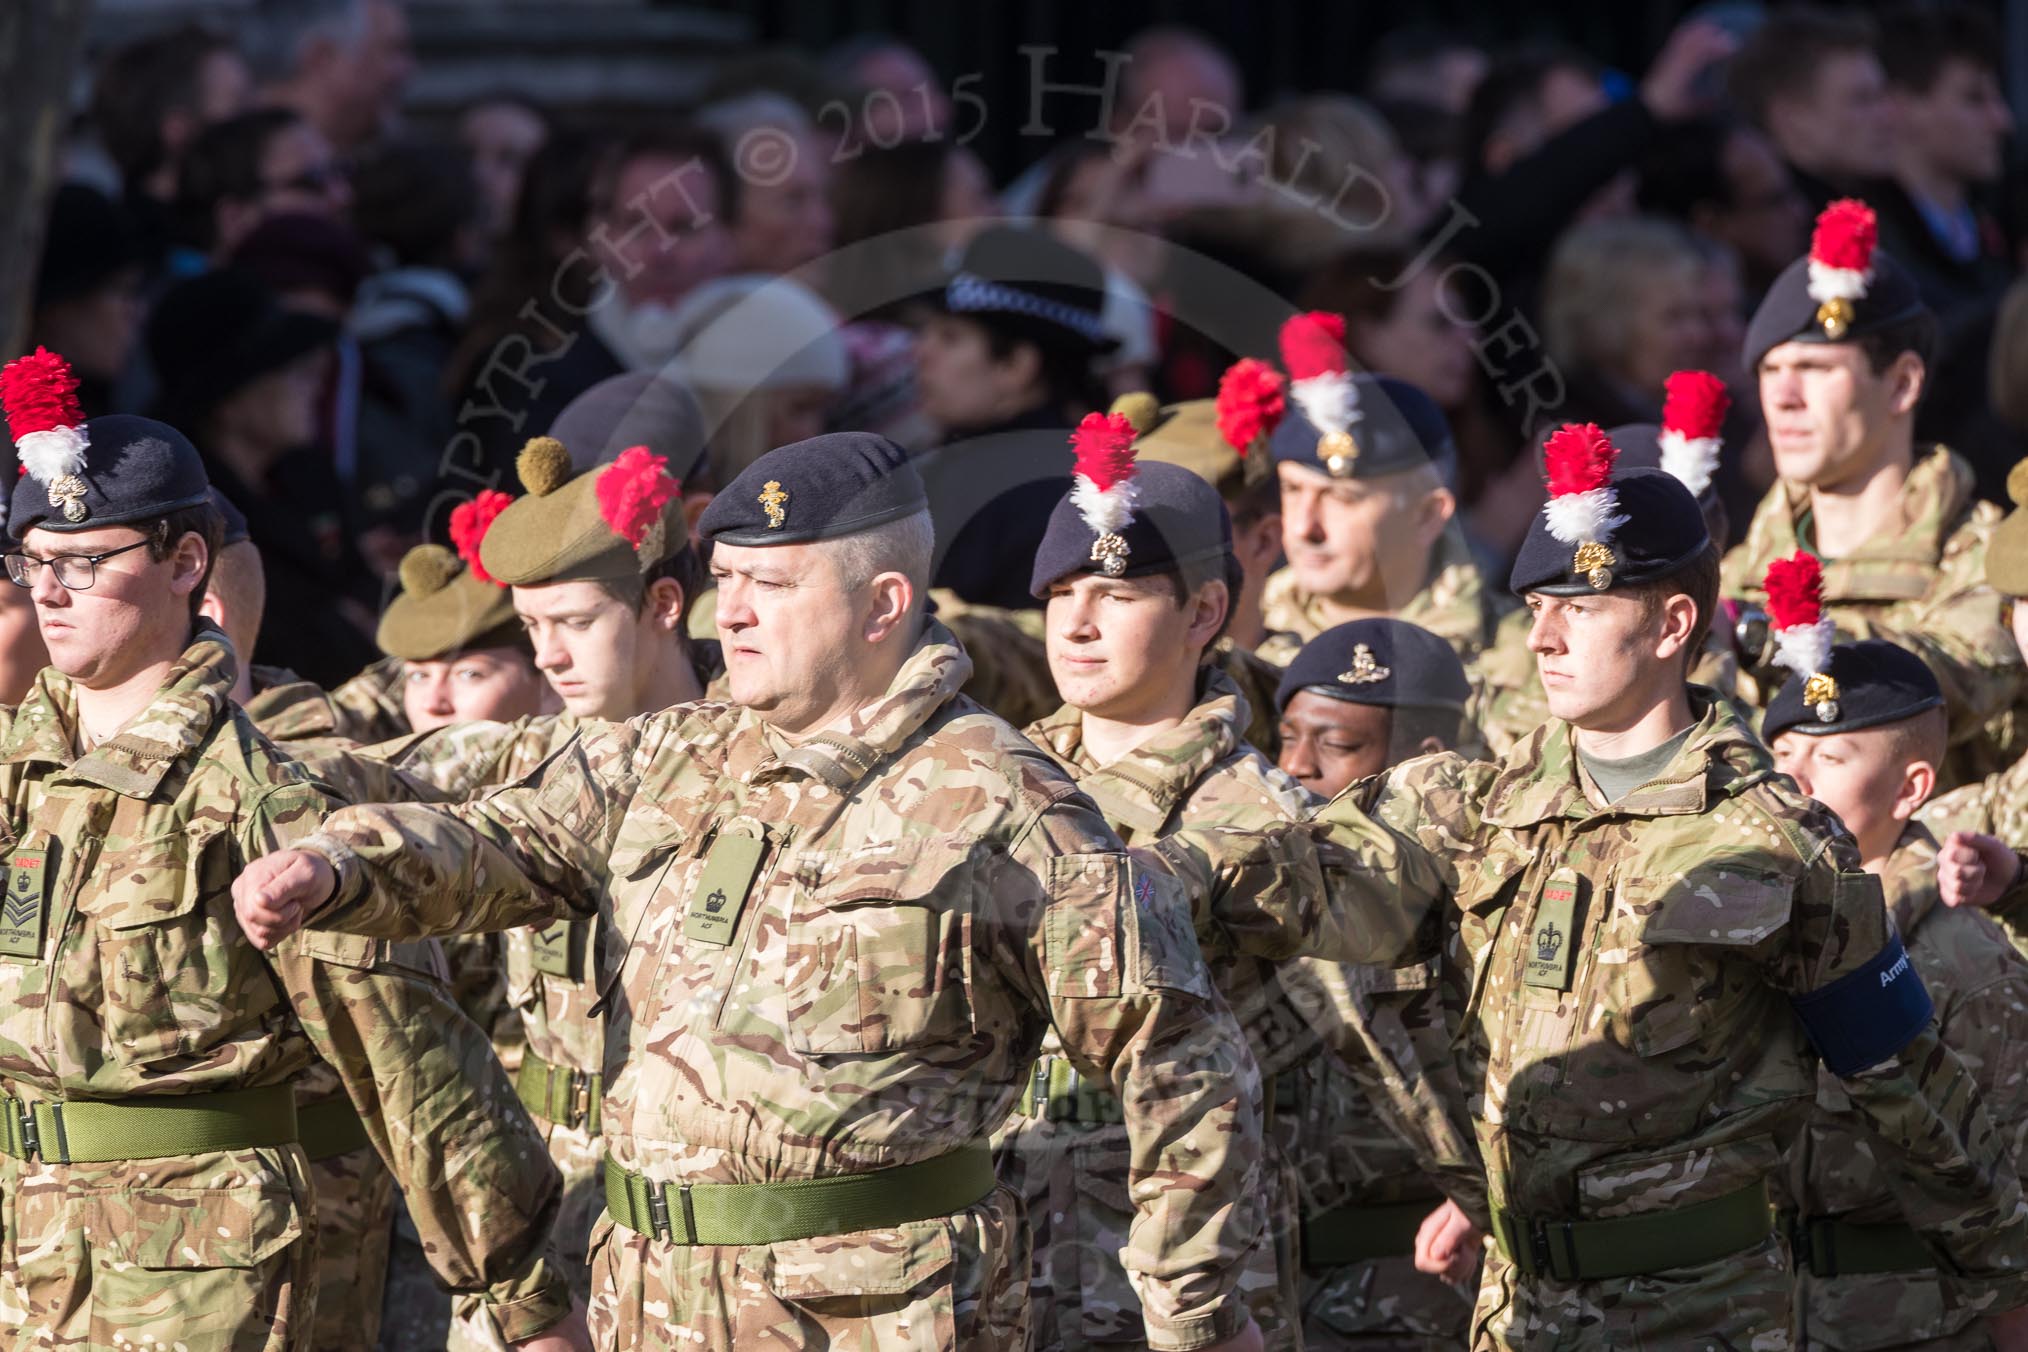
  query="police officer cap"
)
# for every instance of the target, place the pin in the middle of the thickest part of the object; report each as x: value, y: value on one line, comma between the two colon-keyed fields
x: 1601, y: 529
x: 1843, y: 290
x: 1874, y: 682
x: 824, y: 488
x: 1178, y: 523
x: 1398, y: 428
x: 1387, y: 662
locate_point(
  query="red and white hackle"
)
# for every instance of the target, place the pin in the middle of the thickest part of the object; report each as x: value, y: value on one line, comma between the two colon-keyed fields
x: 48, y: 426
x: 1103, y: 490
x: 1583, y: 511
x: 1841, y: 262
x: 1694, y: 406
x: 1803, y: 634
x: 1320, y: 379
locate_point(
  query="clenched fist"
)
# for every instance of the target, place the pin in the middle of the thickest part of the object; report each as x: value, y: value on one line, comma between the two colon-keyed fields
x: 1975, y: 870
x: 277, y: 892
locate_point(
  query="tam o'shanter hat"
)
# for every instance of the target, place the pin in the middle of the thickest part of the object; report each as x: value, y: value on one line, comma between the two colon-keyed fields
x: 448, y: 602
x: 613, y: 521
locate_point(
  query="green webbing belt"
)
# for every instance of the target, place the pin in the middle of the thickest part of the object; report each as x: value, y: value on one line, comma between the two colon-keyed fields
x: 82, y: 1131
x: 799, y: 1208
x: 1842, y: 1249
x: 1357, y: 1234
x: 1635, y: 1246
x: 331, y: 1128
x: 569, y: 1098
x: 1066, y: 1095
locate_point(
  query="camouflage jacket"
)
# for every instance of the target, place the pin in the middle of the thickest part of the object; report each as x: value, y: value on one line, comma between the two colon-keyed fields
x: 922, y: 836
x: 1980, y: 986
x: 1672, y: 1070
x: 365, y: 709
x: 1921, y: 584
x: 141, y: 983
x: 1997, y: 806
x: 1455, y: 605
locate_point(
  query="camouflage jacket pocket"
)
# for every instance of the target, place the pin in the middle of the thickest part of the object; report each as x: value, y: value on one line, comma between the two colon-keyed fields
x: 171, y: 961
x: 1671, y: 953
x: 891, y: 1289
x: 879, y: 951
x: 199, y: 1227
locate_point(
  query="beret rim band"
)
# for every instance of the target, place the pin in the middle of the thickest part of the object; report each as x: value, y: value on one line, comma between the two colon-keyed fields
x: 1343, y: 695
x: 1174, y: 563
x: 1811, y: 333
x: 1812, y: 728
x: 1661, y: 574
x: 54, y: 520
x: 834, y: 529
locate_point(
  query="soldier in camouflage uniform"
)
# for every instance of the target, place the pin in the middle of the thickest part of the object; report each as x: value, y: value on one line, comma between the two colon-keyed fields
x: 155, y: 1187
x: 1379, y: 1128
x: 1371, y: 532
x: 1154, y: 737
x: 1863, y: 1277
x: 1901, y: 534
x: 839, y: 917
x: 1634, y: 930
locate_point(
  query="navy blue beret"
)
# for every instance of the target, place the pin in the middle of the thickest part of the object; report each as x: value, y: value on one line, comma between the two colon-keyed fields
x: 233, y: 519
x: 1179, y: 523
x: 1876, y: 682
x: 835, y: 485
x: 1663, y: 534
x: 1379, y: 661
x: 1399, y: 428
x: 136, y: 469
x: 1788, y: 313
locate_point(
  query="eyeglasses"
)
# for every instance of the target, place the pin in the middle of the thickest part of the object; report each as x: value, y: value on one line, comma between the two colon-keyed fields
x: 76, y: 572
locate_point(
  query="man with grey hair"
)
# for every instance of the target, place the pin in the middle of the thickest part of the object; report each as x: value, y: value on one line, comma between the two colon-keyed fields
x: 841, y: 912
x: 342, y: 64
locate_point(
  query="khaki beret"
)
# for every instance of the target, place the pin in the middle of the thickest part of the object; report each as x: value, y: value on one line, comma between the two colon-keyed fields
x: 2007, y: 555
x: 445, y: 608
x: 612, y: 521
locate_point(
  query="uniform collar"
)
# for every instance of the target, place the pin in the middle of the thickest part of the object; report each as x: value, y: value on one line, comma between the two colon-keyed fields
x: 843, y: 755
x: 1539, y: 781
x: 1909, y: 878
x: 1451, y: 604
x: 1934, y: 500
x: 134, y: 761
x: 1142, y: 789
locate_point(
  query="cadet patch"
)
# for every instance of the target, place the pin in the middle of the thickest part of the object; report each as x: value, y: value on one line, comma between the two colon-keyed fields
x: 729, y: 869
x: 558, y: 950
x: 22, y: 911
x: 1550, y: 952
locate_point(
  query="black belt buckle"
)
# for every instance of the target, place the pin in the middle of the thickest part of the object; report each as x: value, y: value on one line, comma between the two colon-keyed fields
x: 658, y: 1211
x: 1552, y: 1259
x: 31, y: 1139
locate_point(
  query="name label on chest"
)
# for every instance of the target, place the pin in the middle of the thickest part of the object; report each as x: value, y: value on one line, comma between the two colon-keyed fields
x: 558, y: 950
x: 1551, y: 942
x: 729, y: 869
x: 24, y: 906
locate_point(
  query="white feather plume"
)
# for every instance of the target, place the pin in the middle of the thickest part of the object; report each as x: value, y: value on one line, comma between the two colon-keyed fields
x: 1575, y: 518
x: 1329, y: 400
x: 1107, y: 512
x: 1805, y: 649
x: 51, y: 454
x: 1692, y: 460
x: 1829, y: 283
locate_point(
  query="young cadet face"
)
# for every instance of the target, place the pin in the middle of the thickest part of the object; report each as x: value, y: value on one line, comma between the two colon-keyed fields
x: 1606, y: 659
x: 590, y: 645
x: 497, y: 684
x: 1866, y: 777
x: 1328, y: 743
x: 1829, y: 412
x: 135, y: 614
x: 1336, y: 532
x: 1118, y: 646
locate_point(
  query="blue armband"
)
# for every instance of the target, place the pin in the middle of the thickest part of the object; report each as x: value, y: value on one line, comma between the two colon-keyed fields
x: 1868, y: 1015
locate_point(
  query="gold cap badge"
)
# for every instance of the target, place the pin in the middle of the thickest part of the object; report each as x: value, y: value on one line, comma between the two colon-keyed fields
x: 774, y: 499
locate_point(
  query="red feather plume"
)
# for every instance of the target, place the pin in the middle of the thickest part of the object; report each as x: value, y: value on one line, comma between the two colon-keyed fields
x: 1252, y: 396
x: 1104, y: 443
x: 40, y: 393
x: 1578, y: 458
x: 633, y: 490
x: 1795, y: 591
x: 469, y: 523
x: 1313, y: 344
x: 1695, y: 403
x: 1845, y: 235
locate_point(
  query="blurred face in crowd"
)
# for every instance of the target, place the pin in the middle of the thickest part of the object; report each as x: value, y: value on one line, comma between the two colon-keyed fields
x: 21, y: 652
x: 1328, y: 743
x: 691, y: 245
x: 1104, y: 213
x: 96, y: 331
x: 783, y: 225
x: 1668, y: 326
x: 224, y: 89
x: 902, y: 100
x: 1764, y: 220
x: 1346, y: 537
x: 797, y: 412
x: 1126, y: 648
x: 962, y: 383
x: 1162, y: 81
x: 496, y: 684
x: 275, y: 412
x: 1836, y: 126
x: 1831, y: 418
x: 1607, y: 659
x: 1724, y: 300
x: 301, y: 173
x: 362, y: 81
x: 135, y: 613
x: 803, y: 641
x: 1418, y: 342
x: 596, y: 651
x: 1566, y: 97
x: 500, y: 137
x: 966, y: 202
x: 1866, y: 777
x: 1959, y: 126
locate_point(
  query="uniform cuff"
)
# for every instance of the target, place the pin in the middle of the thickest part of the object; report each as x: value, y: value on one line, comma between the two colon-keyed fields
x: 343, y: 862
x: 1195, y: 1331
x: 2015, y: 899
x: 530, y: 1305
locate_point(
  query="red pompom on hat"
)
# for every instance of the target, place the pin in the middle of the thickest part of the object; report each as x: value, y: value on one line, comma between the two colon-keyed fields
x: 469, y: 523
x: 1313, y: 344
x: 1252, y: 397
x: 632, y: 492
x: 1693, y: 416
x: 1803, y: 634
x: 1841, y: 262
